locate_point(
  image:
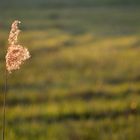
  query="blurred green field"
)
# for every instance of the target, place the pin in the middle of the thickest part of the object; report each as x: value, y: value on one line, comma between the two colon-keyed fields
x: 83, y: 79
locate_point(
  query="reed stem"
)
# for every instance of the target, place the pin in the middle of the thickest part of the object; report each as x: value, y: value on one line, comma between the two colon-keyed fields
x: 4, y: 107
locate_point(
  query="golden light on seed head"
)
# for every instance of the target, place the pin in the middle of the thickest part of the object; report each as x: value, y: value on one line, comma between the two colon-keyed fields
x: 13, y: 36
x: 16, y: 54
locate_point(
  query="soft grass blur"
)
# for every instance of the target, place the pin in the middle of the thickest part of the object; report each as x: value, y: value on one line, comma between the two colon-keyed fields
x: 83, y: 80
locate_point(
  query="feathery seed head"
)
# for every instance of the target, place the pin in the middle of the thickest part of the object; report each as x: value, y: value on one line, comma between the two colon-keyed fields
x: 13, y: 36
x: 16, y: 54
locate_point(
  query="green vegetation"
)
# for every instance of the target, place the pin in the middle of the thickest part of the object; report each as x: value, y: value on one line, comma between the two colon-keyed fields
x: 66, y: 3
x: 83, y: 80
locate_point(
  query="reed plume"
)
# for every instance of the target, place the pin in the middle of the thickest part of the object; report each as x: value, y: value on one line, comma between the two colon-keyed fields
x: 16, y: 54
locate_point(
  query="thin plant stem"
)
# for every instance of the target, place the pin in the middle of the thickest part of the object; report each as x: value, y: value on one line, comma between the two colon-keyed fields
x: 4, y: 106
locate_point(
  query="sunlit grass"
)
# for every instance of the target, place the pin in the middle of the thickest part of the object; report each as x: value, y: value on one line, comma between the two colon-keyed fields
x: 82, y: 81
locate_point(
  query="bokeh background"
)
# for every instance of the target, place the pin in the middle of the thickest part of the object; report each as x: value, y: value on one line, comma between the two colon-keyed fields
x: 83, y: 79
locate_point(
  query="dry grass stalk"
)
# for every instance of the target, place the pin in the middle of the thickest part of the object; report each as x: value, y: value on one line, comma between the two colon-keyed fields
x: 16, y: 55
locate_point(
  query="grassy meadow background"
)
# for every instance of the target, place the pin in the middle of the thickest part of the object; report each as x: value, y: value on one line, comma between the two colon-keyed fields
x: 83, y: 79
